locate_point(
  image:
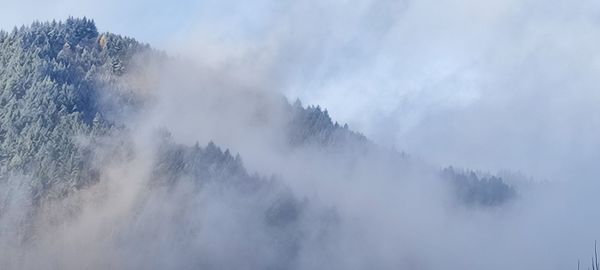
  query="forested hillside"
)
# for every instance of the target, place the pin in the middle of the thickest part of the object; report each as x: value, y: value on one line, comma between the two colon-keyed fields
x: 54, y: 84
x: 69, y: 109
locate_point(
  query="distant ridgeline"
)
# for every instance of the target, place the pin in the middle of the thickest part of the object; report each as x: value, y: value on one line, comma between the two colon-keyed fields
x: 53, y: 113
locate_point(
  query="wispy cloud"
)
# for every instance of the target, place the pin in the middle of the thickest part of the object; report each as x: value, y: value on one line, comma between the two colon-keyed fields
x: 492, y: 85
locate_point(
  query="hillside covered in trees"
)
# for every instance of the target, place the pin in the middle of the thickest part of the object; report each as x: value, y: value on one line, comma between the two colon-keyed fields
x: 54, y: 86
x: 68, y: 108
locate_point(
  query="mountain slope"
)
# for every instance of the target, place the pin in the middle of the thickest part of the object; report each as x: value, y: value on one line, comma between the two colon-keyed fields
x: 73, y: 103
x: 64, y: 87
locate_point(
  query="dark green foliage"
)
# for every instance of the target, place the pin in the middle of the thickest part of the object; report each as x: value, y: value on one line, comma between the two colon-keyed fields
x: 473, y: 189
x: 283, y: 212
x: 314, y: 126
x: 202, y: 165
x: 63, y: 95
x: 61, y: 92
x: 51, y: 79
x: 63, y: 86
x: 212, y: 166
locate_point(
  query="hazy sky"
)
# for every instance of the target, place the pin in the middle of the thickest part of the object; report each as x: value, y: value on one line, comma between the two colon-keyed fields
x: 499, y: 84
x: 496, y: 84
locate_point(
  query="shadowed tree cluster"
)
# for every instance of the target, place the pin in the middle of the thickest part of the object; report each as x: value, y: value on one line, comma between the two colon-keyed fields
x: 474, y: 189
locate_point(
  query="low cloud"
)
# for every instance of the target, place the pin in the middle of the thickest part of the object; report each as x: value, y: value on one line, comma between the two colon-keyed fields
x: 505, y: 85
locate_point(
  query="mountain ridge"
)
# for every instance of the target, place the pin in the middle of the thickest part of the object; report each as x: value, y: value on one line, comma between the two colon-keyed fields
x: 58, y: 94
